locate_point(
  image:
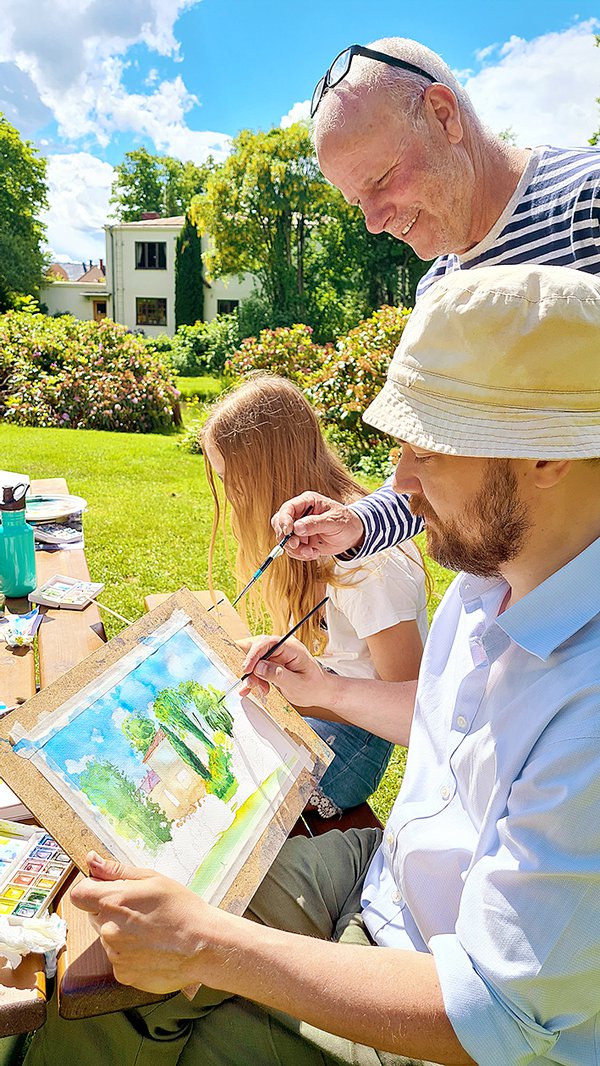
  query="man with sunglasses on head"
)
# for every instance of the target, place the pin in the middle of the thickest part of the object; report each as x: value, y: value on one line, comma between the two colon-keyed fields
x: 398, y: 135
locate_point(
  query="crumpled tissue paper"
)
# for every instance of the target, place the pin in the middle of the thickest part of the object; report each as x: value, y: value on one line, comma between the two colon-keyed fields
x: 46, y: 935
x: 18, y: 630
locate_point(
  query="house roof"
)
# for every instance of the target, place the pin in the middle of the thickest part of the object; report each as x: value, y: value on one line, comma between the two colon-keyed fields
x: 174, y: 221
x: 93, y: 274
x: 158, y: 739
x: 149, y: 781
x: 67, y: 271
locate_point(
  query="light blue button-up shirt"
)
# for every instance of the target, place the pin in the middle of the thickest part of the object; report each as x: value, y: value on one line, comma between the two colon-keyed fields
x: 491, y: 856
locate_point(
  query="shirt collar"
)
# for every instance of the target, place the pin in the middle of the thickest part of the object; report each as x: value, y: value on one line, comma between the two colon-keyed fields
x: 558, y: 608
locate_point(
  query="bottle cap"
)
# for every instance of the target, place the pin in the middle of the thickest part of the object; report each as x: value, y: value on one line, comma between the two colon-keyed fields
x: 13, y: 498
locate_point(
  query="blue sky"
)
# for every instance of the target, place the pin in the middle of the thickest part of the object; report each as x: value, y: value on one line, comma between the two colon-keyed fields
x: 87, y: 81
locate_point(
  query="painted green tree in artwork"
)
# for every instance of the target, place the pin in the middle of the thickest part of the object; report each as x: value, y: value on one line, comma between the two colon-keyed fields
x: 119, y: 799
x: 140, y: 731
x: 187, y: 755
x: 223, y: 783
x: 173, y: 706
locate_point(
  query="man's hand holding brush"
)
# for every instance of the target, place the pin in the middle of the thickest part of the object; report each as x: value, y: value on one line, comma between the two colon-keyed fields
x: 291, y: 669
x: 330, y: 529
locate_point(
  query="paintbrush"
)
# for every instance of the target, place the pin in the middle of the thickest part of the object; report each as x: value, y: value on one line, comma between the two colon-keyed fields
x: 275, y: 647
x: 273, y: 554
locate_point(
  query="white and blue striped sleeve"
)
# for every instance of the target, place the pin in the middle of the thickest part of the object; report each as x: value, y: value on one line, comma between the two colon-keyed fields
x: 387, y: 520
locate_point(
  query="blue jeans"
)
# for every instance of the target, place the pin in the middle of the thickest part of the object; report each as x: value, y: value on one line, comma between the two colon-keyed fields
x: 359, y: 764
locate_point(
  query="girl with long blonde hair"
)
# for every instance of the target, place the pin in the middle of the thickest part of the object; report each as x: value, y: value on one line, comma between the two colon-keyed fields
x: 263, y: 441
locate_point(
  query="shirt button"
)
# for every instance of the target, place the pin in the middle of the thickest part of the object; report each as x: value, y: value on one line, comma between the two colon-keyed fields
x: 445, y: 792
x: 389, y: 838
x: 461, y: 722
x: 397, y: 898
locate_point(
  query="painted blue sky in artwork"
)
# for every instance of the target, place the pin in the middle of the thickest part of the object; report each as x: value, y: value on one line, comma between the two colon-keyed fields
x: 96, y: 733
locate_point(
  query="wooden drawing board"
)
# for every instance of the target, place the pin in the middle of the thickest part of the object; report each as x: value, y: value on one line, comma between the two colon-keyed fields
x: 70, y: 829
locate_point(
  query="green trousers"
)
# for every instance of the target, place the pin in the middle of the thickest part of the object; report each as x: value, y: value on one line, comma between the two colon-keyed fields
x: 313, y: 888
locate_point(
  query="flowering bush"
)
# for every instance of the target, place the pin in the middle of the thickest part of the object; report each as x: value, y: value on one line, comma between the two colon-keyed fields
x: 288, y: 351
x: 350, y: 376
x: 83, y: 375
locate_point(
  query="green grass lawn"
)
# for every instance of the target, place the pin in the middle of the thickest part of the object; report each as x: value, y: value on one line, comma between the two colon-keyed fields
x: 206, y: 388
x: 148, y: 522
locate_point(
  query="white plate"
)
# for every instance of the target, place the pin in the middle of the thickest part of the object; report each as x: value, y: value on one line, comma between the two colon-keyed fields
x: 52, y: 508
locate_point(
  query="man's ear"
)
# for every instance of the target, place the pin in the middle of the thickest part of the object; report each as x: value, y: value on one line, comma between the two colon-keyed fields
x: 445, y: 110
x: 548, y: 472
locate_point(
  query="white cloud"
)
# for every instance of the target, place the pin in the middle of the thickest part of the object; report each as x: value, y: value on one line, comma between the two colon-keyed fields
x: 484, y: 53
x: 77, y: 767
x: 79, y: 189
x: 299, y: 112
x: 70, y: 61
x: 545, y: 89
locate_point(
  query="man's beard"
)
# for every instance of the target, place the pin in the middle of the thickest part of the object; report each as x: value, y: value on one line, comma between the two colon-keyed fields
x: 492, y: 530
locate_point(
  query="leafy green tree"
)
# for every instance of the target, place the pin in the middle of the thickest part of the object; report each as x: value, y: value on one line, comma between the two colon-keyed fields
x: 259, y: 207
x: 115, y: 796
x: 146, y: 182
x: 189, y: 282
x: 23, y: 195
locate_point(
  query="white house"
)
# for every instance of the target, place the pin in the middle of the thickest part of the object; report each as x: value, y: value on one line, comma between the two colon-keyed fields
x: 79, y: 290
x: 138, y: 287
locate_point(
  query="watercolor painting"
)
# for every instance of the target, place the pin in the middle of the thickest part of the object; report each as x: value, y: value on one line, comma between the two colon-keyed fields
x: 166, y: 773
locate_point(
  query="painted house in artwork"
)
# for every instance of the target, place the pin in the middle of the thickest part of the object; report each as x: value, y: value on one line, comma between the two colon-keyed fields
x: 136, y: 283
x: 169, y: 781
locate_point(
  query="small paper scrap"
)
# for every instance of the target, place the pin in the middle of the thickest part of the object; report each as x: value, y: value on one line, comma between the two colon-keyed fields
x: 19, y: 937
x: 18, y: 630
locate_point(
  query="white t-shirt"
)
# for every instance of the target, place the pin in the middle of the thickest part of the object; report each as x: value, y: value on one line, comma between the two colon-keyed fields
x: 381, y: 591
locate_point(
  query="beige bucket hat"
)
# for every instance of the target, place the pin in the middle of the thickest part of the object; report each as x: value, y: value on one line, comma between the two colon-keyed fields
x: 501, y: 362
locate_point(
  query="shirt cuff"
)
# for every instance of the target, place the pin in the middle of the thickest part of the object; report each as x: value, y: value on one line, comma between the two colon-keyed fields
x: 490, y: 1029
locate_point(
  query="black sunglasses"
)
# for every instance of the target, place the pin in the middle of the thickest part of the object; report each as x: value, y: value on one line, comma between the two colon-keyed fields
x: 341, y: 65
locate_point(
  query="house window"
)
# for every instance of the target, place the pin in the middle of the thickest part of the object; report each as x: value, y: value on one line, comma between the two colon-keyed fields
x: 171, y: 798
x: 99, y: 310
x: 151, y: 311
x: 225, y: 307
x: 150, y: 255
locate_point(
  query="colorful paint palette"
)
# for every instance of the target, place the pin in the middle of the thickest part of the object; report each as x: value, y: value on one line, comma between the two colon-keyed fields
x: 32, y: 869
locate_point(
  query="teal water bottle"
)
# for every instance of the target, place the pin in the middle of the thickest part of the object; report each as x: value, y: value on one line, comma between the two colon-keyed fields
x: 17, y: 544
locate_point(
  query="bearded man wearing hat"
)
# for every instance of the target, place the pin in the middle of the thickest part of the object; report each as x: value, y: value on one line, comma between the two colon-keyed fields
x: 469, y: 932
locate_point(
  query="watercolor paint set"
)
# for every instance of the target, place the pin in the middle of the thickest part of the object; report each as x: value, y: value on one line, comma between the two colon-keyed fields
x: 69, y: 592
x: 32, y: 869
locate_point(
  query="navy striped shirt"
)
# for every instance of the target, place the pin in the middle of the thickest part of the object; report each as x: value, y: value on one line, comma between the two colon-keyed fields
x: 553, y: 218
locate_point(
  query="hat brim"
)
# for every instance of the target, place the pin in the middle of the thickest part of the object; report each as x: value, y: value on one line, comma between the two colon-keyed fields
x: 452, y: 428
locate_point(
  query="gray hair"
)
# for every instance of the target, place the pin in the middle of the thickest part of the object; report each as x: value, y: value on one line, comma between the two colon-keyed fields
x: 403, y: 87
